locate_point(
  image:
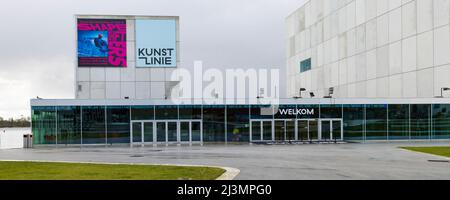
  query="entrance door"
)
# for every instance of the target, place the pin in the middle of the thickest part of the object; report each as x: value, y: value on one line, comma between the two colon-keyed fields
x: 161, y: 136
x: 280, y: 130
x: 331, y: 130
x: 261, y: 130
x: 165, y: 132
x: 302, y: 130
x: 172, y: 132
x: 290, y: 130
x: 136, y: 136
x: 141, y: 132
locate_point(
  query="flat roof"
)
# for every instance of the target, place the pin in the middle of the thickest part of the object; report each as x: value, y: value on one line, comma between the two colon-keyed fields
x: 303, y: 101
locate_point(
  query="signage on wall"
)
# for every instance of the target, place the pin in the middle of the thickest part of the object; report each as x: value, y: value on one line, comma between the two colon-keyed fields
x: 293, y: 111
x: 102, y: 43
x: 156, y: 42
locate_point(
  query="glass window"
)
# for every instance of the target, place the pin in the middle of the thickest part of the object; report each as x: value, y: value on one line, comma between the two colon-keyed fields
x: 398, y: 122
x: 305, y: 65
x: 166, y: 112
x: 142, y: 112
x: 118, y: 124
x: 420, y: 121
x: 238, y: 123
x: 69, y: 125
x: 353, y: 122
x: 331, y: 111
x: 376, y: 122
x: 44, y: 124
x: 214, y: 123
x: 441, y: 121
x: 94, y: 130
x: 190, y: 111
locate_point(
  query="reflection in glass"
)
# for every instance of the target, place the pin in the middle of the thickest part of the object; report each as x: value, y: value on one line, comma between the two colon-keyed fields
x: 256, y: 131
x: 148, y: 131
x: 196, y: 131
x: 279, y: 130
x: 302, y: 130
x: 420, y: 121
x: 267, y: 130
x: 137, y: 132
x: 376, y: 122
x: 353, y: 122
x: 184, y: 131
x: 118, y: 124
x: 290, y: 130
x: 441, y: 121
x: 326, y: 130
x: 94, y: 130
x: 313, y: 130
x: 44, y: 124
x: 172, y: 131
x: 399, y: 122
x: 161, y: 131
x: 69, y: 125
x: 336, y: 129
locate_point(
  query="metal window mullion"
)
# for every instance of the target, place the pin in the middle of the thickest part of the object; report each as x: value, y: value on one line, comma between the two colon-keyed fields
x: 56, y: 125
x: 81, y: 125
x: 106, y: 127
x: 226, y: 125
x: 387, y: 122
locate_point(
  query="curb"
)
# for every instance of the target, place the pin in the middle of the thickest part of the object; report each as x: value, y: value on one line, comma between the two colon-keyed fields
x: 427, y: 154
x: 229, y: 174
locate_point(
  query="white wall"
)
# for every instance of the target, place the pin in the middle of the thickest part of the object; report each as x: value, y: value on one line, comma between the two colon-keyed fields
x: 370, y: 48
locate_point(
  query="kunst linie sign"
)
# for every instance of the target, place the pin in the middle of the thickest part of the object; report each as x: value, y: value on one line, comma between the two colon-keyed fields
x: 156, y: 43
x: 293, y: 111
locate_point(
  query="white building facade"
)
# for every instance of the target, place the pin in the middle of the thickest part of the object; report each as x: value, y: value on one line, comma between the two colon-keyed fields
x: 369, y: 48
x: 130, y: 81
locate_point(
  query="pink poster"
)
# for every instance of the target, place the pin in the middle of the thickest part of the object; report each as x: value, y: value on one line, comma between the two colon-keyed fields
x: 102, y: 43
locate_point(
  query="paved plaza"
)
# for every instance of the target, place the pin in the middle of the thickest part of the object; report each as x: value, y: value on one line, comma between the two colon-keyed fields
x: 300, y: 162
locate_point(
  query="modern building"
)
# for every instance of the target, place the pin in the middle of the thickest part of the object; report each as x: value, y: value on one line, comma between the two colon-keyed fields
x: 122, y: 87
x: 115, y: 122
x: 369, y: 48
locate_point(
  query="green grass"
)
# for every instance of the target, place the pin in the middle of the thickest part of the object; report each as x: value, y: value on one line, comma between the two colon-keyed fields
x: 81, y: 171
x: 440, y: 151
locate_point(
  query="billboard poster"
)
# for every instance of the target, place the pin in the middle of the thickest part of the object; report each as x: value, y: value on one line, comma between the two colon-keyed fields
x: 102, y: 43
x: 156, y: 43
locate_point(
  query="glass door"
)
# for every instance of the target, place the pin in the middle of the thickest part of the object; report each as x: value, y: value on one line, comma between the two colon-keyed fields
x: 337, y: 133
x: 280, y: 130
x: 325, y: 133
x: 196, y: 132
x: 161, y: 132
x: 313, y: 130
x: 302, y: 130
x: 185, y: 131
x: 172, y: 132
x: 148, y: 132
x: 136, y: 133
x: 267, y: 131
x: 290, y: 130
x: 256, y: 131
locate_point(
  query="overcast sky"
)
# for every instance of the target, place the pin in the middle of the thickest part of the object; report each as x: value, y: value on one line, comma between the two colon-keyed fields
x: 37, y: 40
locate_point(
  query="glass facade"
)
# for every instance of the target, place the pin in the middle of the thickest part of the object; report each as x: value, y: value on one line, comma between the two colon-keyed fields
x: 109, y: 125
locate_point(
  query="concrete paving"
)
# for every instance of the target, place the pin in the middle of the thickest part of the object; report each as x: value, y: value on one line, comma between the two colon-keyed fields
x: 273, y: 162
